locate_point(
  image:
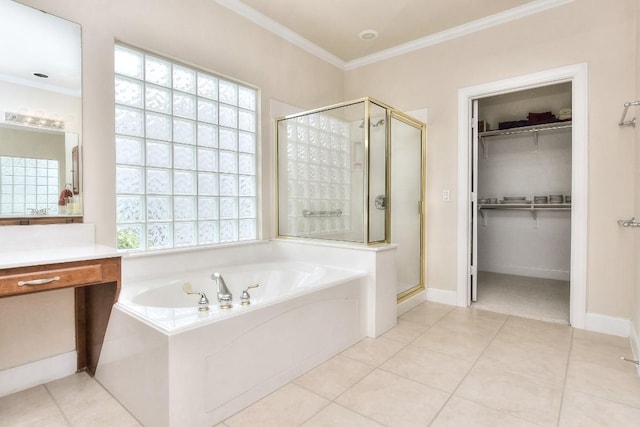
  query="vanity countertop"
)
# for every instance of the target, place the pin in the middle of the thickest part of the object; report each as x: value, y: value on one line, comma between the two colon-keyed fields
x: 23, y: 257
x: 28, y: 245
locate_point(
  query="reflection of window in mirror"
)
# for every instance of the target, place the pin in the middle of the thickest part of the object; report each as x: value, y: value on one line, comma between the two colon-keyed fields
x: 28, y: 186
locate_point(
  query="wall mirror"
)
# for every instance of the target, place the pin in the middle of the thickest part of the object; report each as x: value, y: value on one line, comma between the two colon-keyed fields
x: 40, y: 117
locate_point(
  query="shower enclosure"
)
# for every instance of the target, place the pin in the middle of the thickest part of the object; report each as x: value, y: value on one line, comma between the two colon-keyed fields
x: 354, y: 172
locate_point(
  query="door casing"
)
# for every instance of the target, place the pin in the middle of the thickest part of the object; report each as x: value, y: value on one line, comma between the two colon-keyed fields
x: 578, y: 76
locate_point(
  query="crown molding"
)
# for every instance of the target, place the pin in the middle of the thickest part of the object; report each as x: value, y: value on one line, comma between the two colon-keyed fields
x: 531, y: 8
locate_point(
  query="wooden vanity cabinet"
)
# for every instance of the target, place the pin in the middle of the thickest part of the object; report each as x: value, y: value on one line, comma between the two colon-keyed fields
x: 96, y: 284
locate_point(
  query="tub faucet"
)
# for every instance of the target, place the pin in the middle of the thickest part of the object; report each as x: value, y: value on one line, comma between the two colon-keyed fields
x: 224, y: 294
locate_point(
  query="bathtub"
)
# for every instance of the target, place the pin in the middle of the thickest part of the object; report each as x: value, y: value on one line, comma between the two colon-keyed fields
x: 172, y: 365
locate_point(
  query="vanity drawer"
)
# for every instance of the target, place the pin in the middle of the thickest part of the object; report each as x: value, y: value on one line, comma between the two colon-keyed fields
x: 34, y: 281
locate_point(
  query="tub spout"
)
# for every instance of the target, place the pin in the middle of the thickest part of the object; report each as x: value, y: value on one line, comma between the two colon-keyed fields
x: 224, y: 294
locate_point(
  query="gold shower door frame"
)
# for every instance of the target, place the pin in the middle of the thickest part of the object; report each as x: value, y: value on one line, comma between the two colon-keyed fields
x: 392, y: 115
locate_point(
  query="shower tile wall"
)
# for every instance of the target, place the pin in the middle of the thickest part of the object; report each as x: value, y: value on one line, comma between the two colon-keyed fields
x: 318, y: 174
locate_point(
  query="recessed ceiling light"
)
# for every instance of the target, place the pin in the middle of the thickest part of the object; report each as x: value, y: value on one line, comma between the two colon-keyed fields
x: 41, y: 75
x: 368, y: 35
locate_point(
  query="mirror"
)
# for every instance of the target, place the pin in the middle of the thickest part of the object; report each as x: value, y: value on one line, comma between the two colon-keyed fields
x: 40, y: 114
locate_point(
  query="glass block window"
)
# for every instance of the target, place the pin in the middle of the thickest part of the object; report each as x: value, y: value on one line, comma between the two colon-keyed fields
x: 28, y: 186
x: 185, y: 155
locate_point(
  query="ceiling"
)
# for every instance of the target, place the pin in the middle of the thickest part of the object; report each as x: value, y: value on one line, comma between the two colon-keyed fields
x: 35, y: 42
x: 330, y: 28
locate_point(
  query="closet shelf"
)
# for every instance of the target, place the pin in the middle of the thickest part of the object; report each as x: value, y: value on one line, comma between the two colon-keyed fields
x: 534, y: 208
x: 527, y: 129
x: 534, y: 130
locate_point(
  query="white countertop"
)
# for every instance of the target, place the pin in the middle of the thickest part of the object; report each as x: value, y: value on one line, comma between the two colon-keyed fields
x: 25, y: 245
x: 24, y: 258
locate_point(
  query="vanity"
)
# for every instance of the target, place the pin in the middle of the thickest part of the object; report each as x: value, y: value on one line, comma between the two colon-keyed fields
x: 62, y: 259
x: 96, y: 283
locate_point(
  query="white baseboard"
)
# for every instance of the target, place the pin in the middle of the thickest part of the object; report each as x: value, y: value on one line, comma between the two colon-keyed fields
x: 442, y: 296
x: 607, y: 324
x: 526, y: 271
x: 409, y: 303
x: 39, y: 372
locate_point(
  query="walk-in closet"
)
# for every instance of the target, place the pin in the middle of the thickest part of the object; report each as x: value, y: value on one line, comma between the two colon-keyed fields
x: 523, y: 178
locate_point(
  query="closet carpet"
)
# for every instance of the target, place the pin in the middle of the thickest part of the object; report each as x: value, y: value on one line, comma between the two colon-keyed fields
x: 542, y: 299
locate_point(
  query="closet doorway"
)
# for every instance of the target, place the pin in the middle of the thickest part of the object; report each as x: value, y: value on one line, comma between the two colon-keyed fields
x: 522, y: 224
x: 505, y: 239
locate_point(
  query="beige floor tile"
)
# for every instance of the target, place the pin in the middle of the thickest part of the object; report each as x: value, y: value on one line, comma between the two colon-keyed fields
x: 84, y: 402
x: 337, y: 416
x: 393, y: 401
x: 427, y: 313
x: 539, y: 332
x: 489, y: 384
x: 31, y: 407
x: 289, y: 406
x: 462, y: 333
x: 582, y: 410
x: 334, y: 376
x: 405, y: 331
x: 599, y: 348
x: 437, y: 370
x: 373, y: 351
x: 595, y: 368
x: 535, y: 349
x: 76, y: 392
x: 472, y: 314
x: 106, y: 413
x: 460, y: 412
x: 615, y: 381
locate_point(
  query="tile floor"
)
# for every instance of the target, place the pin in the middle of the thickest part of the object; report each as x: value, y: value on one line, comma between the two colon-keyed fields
x: 441, y: 366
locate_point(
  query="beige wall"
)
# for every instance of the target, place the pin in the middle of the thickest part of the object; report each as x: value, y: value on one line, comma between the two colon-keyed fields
x: 602, y: 34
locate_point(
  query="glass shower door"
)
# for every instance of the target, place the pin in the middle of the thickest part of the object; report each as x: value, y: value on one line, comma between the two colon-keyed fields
x: 406, y: 155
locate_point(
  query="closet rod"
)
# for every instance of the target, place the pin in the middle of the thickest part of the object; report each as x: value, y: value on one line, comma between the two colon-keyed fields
x: 631, y: 122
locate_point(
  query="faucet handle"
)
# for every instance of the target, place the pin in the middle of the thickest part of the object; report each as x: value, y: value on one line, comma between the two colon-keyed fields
x: 203, y: 303
x: 245, y: 297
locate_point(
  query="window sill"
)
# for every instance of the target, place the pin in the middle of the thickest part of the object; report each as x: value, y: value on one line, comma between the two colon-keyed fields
x: 202, y: 248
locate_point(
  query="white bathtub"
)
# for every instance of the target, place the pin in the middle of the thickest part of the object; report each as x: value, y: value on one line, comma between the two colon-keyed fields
x: 172, y: 365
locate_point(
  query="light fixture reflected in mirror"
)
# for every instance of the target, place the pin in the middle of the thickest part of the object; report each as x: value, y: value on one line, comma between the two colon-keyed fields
x: 40, y: 122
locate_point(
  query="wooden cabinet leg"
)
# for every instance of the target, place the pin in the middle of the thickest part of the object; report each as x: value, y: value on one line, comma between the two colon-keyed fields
x: 93, y: 309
